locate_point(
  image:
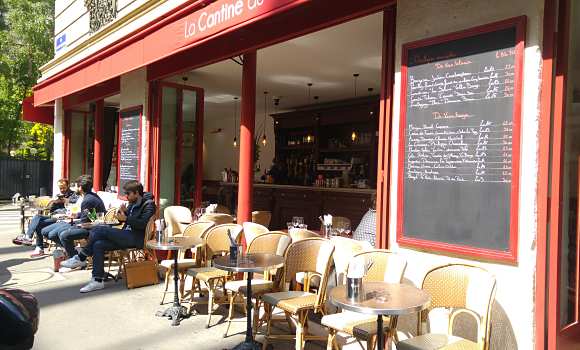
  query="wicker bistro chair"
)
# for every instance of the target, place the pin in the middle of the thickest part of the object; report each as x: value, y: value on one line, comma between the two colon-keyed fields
x: 313, y: 255
x: 217, y: 218
x: 196, y: 230
x: 274, y: 243
x: 461, y: 289
x: 262, y: 217
x: 387, y: 267
x: 176, y: 218
x: 216, y: 243
x: 110, y: 214
x: 300, y: 234
x: 253, y: 230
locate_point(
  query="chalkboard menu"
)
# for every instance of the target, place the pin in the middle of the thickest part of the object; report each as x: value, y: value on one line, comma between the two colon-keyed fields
x: 129, y: 146
x: 458, y: 172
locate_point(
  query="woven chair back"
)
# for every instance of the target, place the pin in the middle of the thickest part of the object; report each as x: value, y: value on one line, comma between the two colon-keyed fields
x: 253, y: 230
x: 270, y: 243
x: 262, y: 217
x: 462, y: 287
x: 217, y: 218
x: 344, y: 250
x: 110, y: 214
x: 386, y: 266
x: 174, y: 216
x: 217, y: 241
x: 299, y: 234
x: 313, y: 256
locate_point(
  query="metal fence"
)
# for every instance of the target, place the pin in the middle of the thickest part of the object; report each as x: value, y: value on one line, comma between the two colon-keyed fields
x: 27, y: 177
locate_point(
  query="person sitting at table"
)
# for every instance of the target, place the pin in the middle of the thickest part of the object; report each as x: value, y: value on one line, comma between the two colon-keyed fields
x: 38, y: 222
x: 90, y: 201
x: 366, y: 229
x: 103, y: 238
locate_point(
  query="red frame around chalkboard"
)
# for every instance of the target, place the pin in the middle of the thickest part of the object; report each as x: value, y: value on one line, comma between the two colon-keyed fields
x: 511, y: 255
x: 120, y: 194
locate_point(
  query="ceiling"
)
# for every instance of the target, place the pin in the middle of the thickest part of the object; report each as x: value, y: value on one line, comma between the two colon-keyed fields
x: 327, y: 59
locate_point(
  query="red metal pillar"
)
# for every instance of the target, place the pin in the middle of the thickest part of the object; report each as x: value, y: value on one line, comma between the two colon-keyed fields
x: 99, y: 131
x: 200, y: 115
x: 66, y: 144
x: 385, y: 116
x: 247, y: 126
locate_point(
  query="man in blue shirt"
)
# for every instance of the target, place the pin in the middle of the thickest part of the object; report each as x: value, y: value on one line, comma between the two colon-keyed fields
x: 89, y: 202
x: 103, y: 238
x: 38, y: 222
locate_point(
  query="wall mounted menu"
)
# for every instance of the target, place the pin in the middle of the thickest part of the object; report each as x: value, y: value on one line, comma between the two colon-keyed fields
x: 460, y: 132
x: 129, y: 146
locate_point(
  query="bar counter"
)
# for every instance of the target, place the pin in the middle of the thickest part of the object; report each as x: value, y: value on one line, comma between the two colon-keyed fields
x: 286, y: 201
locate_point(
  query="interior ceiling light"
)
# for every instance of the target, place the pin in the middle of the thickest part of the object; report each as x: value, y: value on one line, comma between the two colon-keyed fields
x: 235, y: 122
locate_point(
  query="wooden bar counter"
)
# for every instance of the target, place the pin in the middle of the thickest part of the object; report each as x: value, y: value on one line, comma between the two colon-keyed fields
x: 286, y: 201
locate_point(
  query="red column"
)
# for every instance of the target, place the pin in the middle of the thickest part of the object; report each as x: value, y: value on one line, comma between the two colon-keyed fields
x: 200, y: 115
x: 247, y: 125
x: 99, y: 130
x: 66, y: 144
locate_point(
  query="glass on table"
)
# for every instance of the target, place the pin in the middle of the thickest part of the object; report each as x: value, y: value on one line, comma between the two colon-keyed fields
x: 290, y: 225
x: 198, y: 213
x: 346, y: 228
x: 297, y: 221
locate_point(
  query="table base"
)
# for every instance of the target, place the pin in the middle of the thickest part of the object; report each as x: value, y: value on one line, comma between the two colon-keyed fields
x: 252, y: 345
x: 176, y: 313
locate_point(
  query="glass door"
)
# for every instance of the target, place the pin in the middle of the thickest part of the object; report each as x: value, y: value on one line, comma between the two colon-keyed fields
x: 179, y: 139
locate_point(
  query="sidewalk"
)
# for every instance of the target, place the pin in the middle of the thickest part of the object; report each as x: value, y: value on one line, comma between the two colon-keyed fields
x: 113, y: 318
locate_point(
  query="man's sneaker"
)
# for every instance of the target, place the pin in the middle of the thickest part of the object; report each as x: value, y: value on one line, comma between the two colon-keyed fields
x: 92, y: 286
x: 22, y: 240
x: 73, y: 263
x: 38, y: 252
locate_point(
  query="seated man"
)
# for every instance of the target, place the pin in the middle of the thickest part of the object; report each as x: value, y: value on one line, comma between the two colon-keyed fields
x: 102, y: 238
x: 90, y: 201
x: 38, y: 222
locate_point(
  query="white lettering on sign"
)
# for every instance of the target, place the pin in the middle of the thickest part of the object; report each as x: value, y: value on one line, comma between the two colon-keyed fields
x: 209, y: 19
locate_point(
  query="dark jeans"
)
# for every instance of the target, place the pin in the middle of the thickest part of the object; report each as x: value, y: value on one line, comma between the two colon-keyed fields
x: 67, y: 239
x: 37, y: 223
x: 103, y: 239
x: 51, y: 232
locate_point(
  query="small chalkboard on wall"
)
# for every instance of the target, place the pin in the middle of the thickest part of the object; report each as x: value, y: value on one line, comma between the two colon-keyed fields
x: 460, y: 140
x: 129, y: 146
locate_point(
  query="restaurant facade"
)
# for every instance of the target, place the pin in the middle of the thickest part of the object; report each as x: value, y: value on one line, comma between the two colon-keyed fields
x: 456, y: 117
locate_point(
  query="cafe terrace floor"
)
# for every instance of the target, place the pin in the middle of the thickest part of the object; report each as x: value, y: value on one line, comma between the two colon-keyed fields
x: 113, y: 318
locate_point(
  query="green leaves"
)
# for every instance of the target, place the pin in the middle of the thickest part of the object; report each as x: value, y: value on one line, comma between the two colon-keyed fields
x: 26, y: 43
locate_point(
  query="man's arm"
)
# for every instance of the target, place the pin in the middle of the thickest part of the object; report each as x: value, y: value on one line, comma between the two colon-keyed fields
x: 139, y: 222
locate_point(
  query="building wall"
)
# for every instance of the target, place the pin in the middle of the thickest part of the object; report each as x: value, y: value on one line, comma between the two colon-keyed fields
x: 418, y: 19
x: 135, y: 92
x: 73, y: 40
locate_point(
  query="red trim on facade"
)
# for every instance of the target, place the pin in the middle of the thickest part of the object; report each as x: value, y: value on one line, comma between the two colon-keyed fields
x: 120, y: 193
x: 94, y: 93
x: 509, y: 256
x: 385, y: 120
x: 40, y: 114
x: 99, y: 132
x: 279, y: 26
x: 152, y: 45
x: 247, y: 126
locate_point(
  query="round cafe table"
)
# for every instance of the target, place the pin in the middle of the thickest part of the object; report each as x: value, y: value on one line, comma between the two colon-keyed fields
x: 175, y: 312
x: 382, y: 299
x: 249, y: 263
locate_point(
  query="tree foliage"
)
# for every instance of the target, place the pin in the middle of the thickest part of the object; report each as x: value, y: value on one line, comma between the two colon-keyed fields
x: 26, y: 32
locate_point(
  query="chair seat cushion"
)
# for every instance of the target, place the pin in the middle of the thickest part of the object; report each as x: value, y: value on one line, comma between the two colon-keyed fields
x: 207, y: 273
x: 359, y: 325
x: 436, y: 342
x: 291, y: 301
x: 258, y: 286
x: 183, y: 264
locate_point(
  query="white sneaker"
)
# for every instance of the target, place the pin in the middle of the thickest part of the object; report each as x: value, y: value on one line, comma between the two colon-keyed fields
x: 92, y: 286
x: 73, y: 263
x: 38, y: 252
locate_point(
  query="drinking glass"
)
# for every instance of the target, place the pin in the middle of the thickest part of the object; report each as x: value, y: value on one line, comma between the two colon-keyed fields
x: 290, y: 225
x: 340, y: 229
x: 295, y: 221
x: 198, y: 213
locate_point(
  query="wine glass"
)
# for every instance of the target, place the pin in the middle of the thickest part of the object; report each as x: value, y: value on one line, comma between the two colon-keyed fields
x: 340, y: 228
x: 295, y: 221
x: 198, y: 213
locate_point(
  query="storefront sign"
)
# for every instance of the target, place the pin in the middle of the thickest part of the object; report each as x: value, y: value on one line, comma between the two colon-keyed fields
x: 459, y: 160
x: 224, y: 14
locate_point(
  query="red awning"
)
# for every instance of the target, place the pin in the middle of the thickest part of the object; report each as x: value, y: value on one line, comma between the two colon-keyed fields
x: 40, y: 114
